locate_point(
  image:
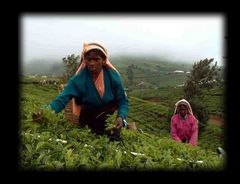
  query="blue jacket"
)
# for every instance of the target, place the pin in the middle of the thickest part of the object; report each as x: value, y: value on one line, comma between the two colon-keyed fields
x: 82, y: 88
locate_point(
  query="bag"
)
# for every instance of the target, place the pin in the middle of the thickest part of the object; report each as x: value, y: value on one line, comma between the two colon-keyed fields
x: 69, y: 115
x: 132, y: 126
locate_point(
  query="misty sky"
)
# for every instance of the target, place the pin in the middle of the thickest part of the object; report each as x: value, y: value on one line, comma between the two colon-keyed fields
x: 183, y: 37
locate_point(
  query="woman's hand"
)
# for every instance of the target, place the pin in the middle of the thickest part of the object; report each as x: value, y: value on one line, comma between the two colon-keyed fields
x: 119, y: 122
x: 38, y: 116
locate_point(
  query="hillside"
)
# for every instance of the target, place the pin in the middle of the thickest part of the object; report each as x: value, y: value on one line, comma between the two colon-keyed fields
x: 147, y: 72
x: 58, y: 144
x: 214, y: 98
x: 42, y: 67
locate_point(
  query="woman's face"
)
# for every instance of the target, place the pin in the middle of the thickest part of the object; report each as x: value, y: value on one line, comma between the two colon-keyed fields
x: 182, y: 110
x: 94, y: 61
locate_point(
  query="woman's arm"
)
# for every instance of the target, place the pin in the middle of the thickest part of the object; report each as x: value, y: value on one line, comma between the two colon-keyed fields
x: 174, y: 134
x: 59, y: 103
x: 120, y: 97
x: 194, y: 133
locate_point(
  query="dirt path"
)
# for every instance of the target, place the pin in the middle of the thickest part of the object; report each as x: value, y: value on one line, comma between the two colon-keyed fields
x: 215, y: 119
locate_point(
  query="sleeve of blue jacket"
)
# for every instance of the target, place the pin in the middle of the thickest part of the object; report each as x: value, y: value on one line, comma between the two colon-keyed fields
x: 120, y: 95
x: 75, y: 88
x: 61, y: 101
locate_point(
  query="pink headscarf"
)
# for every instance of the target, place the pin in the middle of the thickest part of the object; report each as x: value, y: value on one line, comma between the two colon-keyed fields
x: 99, y: 83
x: 90, y: 46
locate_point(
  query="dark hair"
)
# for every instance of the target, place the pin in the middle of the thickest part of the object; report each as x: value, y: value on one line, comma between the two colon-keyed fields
x: 98, y: 52
x: 182, y: 105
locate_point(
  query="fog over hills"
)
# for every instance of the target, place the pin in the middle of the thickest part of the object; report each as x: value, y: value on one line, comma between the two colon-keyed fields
x: 56, y: 67
x: 182, y: 38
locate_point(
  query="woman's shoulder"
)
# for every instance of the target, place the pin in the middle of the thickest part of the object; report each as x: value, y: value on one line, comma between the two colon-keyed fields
x: 192, y: 117
x: 113, y: 73
x: 81, y: 75
x: 174, y: 117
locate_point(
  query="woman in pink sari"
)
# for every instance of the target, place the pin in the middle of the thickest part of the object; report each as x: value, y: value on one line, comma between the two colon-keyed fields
x: 184, y: 125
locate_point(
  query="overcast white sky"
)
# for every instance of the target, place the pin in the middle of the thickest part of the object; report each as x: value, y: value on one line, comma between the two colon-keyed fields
x: 183, y: 37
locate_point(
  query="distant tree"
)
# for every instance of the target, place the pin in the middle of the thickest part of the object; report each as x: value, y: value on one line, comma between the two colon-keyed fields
x: 202, y: 77
x: 220, y: 77
x: 71, y: 64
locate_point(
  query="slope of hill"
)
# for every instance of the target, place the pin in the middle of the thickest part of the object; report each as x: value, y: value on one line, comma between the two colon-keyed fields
x: 149, y: 72
x: 152, y: 72
x: 43, y: 67
x: 214, y: 98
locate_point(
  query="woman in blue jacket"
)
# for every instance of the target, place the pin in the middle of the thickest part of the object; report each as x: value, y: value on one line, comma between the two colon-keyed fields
x: 96, y: 90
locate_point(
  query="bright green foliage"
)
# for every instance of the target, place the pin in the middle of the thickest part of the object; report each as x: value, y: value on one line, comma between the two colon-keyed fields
x: 212, y: 137
x: 214, y: 100
x: 56, y: 144
x: 149, y: 116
